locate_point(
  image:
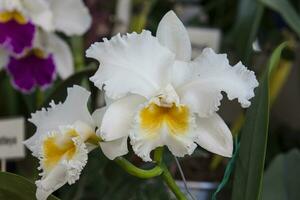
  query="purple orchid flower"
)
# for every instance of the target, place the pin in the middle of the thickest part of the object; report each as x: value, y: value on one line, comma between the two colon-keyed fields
x: 31, y: 70
x: 16, y: 32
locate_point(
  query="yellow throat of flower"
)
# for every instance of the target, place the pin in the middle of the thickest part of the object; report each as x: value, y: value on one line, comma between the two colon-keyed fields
x: 175, y: 118
x: 62, y: 146
x: 12, y: 15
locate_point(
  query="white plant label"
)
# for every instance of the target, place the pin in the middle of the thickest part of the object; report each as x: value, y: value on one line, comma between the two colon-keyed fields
x: 204, y: 37
x: 11, y: 138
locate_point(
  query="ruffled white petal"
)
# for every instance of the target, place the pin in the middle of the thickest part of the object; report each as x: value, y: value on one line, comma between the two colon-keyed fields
x: 143, y: 144
x: 181, y: 145
x: 213, y: 135
x: 67, y: 171
x: 118, y: 118
x: 70, y: 16
x: 213, y: 75
x: 144, y: 140
x: 132, y: 63
x: 114, y: 148
x: 3, y: 58
x: 172, y: 34
x: 39, y: 12
x: 56, y: 179
x: 72, y: 110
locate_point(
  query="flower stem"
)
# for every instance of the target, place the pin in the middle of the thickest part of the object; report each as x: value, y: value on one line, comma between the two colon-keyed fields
x: 158, y: 155
x: 78, y: 52
x: 167, y: 177
x: 135, y: 171
x: 159, y: 169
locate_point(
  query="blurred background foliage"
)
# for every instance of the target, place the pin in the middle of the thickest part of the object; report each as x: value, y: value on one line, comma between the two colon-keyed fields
x: 250, y: 32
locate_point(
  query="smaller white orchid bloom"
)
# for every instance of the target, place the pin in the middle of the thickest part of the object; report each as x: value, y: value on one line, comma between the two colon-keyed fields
x: 69, y: 16
x: 160, y: 97
x: 65, y: 134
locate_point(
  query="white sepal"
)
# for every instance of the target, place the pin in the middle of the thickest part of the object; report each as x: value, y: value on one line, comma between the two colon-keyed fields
x: 115, y: 148
x: 213, y: 135
x: 172, y: 34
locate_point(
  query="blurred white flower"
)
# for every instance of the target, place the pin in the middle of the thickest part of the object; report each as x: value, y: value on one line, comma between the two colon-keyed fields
x: 158, y: 96
x: 68, y: 16
x: 51, y: 44
x: 65, y: 133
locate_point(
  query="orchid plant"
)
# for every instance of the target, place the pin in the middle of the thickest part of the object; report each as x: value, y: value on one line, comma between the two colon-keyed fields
x: 156, y: 96
x: 34, y: 57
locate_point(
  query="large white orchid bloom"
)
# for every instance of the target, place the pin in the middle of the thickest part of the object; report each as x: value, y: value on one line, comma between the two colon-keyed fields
x: 68, y: 16
x: 160, y: 97
x: 65, y: 134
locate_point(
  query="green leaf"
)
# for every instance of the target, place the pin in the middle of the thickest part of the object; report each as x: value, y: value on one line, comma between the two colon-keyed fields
x: 281, y: 180
x: 287, y: 11
x: 13, y: 186
x: 245, y: 28
x: 253, y: 142
x: 228, y: 170
x: 59, y: 93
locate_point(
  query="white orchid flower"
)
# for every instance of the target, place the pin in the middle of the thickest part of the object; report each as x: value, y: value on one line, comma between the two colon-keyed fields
x: 65, y: 134
x: 68, y: 16
x: 159, y: 97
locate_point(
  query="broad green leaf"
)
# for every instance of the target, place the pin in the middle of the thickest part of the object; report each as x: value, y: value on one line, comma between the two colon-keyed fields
x: 281, y: 180
x: 287, y: 12
x: 13, y: 186
x: 245, y: 28
x: 59, y: 92
x: 253, y: 141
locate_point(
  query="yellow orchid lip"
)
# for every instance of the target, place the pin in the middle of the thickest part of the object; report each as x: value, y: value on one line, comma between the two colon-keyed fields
x: 60, y: 146
x: 175, y: 118
x: 57, y: 147
x: 12, y: 15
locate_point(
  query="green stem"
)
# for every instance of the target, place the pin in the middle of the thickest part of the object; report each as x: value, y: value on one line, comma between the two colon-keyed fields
x: 77, y: 49
x: 171, y: 183
x: 158, y: 155
x: 135, y: 171
x: 159, y: 169
x: 139, y: 18
x: 39, y: 98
